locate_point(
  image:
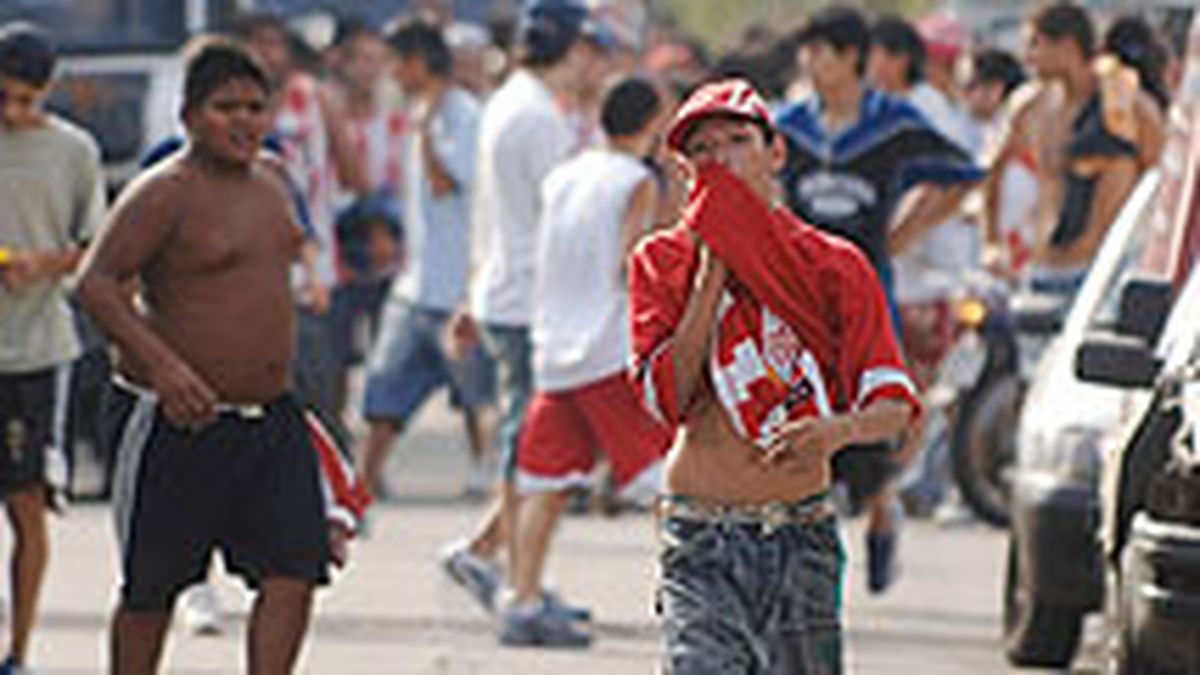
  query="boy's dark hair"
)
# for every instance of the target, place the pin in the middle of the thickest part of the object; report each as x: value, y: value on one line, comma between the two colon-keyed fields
x: 841, y: 28
x: 26, y: 53
x: 1066, y: 20
x: 215, y: 62
x: 898, y: 37
x: 629, y: 106
x: 417, y: 37
x: 998, y: 66
x: 351, y: 27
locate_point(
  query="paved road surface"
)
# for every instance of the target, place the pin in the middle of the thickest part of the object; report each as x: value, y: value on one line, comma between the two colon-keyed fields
x: 394, y: 613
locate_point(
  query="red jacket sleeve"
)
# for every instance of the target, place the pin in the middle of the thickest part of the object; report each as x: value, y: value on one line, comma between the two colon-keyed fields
x: 759, y: 246
x: 870, y: 365
x: 660, y: 274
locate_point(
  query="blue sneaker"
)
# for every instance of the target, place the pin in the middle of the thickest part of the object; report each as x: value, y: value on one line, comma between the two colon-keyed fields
x: 475, y: 575
x: 540, y: 627
x: 881, y: 561
x: 555, y: 604
x: 10, y: 667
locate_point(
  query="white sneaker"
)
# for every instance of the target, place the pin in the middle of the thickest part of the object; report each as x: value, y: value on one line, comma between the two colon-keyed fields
x: 952, y: 512
x: 481, y: 475
x: 201, y: 610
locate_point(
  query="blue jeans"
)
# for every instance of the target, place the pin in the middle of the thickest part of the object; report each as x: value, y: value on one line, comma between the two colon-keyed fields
x: 512, y: 349
x: 409, y: 363
x: 738, y: 599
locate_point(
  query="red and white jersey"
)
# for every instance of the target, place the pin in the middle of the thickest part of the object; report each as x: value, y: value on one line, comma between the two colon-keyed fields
x: 300, y: 128
x: 378, y: 142
x: 802, y: 326
x: 761, y: 371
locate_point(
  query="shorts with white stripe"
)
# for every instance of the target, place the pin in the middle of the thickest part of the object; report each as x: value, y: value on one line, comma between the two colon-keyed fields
x: 34, y: 411
x: 247, y: 485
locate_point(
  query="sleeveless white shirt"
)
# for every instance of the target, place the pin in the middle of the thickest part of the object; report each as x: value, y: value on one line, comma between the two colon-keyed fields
x: 580, y: 319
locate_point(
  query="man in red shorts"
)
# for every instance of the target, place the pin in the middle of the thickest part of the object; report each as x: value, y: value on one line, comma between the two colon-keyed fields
x: 595, y: 207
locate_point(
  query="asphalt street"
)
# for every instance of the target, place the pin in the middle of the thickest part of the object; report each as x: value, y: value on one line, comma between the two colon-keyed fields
x: 394, y: 612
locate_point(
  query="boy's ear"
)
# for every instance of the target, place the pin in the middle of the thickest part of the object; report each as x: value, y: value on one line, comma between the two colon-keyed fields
x: 778, y: 151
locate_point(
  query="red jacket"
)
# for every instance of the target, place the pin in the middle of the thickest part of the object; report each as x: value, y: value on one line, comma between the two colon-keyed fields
x: 803, y: 327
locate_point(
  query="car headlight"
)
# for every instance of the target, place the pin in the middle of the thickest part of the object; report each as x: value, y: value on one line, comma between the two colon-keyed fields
x: 1071, y: 455
x: 970, y: 312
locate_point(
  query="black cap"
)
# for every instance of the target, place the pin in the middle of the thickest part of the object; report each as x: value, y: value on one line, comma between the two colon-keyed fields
x: 547, y: 28
x: 26, y: 53
x: 838, y: 26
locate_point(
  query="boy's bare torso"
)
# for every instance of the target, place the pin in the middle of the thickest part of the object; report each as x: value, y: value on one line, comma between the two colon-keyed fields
x: 710, y: 461
x: 218, y: 290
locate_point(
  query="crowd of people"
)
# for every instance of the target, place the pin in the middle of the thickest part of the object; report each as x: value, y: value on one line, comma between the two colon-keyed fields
x: 730, y: 282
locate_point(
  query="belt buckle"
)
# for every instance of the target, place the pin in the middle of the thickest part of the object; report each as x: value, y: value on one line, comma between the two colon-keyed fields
x: 251, y: 412
x: 245, y: 411
x: 774, y: 516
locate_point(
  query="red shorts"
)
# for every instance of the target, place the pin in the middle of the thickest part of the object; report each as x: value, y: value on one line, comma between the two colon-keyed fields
x: 564, y: 430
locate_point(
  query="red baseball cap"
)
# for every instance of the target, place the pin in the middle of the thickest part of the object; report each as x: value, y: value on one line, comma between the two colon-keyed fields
x: 944, y: 36
x: 726, y: 98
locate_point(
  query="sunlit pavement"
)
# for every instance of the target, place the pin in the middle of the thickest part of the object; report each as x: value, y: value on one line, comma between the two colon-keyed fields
x: 394, y: 612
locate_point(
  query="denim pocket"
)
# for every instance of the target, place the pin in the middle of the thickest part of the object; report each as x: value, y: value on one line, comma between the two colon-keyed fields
x: 686, y: 541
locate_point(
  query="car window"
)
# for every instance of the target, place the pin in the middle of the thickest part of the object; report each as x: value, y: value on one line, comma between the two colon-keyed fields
x: 103, y: 25
x: 108, y: 105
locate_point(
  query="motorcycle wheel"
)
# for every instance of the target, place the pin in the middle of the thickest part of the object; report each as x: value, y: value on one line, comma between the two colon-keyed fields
x: 983, y: 446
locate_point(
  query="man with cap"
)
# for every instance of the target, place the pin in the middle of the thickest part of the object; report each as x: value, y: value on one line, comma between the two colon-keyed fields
x: 524, y: 132
x: 53, y: 197
x: 767, y: 345
x: 854, y: 156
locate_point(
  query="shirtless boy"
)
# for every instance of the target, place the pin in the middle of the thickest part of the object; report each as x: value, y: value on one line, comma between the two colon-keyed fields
x: 214, y: 450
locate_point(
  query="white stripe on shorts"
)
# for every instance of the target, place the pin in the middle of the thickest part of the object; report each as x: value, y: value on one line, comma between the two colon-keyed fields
x: 132, y: 445
x: 62, y: 399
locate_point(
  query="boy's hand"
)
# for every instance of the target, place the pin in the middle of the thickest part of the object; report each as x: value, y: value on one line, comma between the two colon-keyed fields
x: 339, y: 544
x: 807, y: 443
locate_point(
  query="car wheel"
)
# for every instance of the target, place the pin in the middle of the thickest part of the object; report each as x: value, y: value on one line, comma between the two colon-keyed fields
x: 1035, y: 633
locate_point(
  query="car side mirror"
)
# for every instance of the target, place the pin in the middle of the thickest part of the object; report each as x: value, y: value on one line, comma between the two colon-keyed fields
x: 1038, y: 313
x: 1118, y: 361
x: 1145, y: 304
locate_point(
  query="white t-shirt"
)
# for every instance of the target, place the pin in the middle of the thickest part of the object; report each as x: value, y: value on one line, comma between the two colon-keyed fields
x: 932, y: 267
x: 580, y: 324
x: 523, y: 134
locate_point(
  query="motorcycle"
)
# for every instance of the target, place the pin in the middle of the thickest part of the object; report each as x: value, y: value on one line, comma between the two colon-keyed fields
x: 1012, y: 332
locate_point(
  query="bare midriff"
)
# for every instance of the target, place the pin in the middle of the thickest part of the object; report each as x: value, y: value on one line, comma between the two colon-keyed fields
x: 710, y: 462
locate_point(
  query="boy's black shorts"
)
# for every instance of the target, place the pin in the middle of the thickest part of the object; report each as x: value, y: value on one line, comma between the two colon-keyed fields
x: 34, y: 420
x: 247, y: 485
